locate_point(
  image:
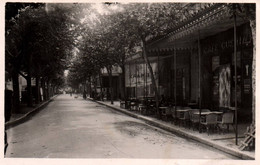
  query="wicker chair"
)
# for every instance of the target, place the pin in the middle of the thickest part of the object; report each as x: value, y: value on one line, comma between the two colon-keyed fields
x: 184, y: 118
x: 194, y: 119
x: 227, y: 119
x: 211, y: 120
x: 142, y: 108
x: 133, y: 106
x: 174, y: 113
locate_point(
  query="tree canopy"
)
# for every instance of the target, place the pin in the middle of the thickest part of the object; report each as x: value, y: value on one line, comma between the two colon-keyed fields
x: 45, y: 39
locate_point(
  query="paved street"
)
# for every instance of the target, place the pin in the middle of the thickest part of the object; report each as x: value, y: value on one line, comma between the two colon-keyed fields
x: 75, y: 128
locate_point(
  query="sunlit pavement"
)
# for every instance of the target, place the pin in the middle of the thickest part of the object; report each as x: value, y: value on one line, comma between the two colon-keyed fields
x: 75, y: 128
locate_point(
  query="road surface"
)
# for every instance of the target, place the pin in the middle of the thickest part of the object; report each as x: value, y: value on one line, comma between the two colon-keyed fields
x: 75, y: 128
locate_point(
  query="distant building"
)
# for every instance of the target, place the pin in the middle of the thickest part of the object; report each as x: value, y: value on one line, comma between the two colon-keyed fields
x: 101, y: 82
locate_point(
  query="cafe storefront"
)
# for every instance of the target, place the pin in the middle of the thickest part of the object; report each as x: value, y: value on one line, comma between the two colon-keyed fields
x: 206, y: 61
x: 201, y: 50
x: 138, y: 79
x: 218, y: 65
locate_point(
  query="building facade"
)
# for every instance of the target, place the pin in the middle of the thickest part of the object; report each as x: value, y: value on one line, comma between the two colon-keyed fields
x: 195, y: 62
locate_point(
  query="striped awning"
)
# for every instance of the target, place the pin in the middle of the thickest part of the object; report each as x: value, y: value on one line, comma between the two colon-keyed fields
x: 210, y: 22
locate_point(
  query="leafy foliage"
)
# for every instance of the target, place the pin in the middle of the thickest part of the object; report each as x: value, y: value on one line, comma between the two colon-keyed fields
x: 42, y: 36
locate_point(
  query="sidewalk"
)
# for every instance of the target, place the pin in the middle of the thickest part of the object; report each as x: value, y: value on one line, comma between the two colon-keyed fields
x: 26, y: 113
x: 224, y: 142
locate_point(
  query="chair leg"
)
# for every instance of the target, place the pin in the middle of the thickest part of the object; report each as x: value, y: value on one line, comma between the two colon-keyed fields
x: 188, y: 124
x: 214, y: 128
x: 233, y: 127
x: 199, y: 128
x: 219, y: 129
x: 194, y: 126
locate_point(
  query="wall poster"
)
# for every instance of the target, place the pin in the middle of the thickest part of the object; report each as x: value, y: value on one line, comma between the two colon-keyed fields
x: 224, y: 86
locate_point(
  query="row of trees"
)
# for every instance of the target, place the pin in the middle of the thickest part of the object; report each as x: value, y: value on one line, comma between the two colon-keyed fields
x: 38, y: 43
x: 109, y: 37
x: 45, y: 39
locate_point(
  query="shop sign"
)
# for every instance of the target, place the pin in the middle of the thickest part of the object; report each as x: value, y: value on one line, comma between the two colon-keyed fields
x: 245, y: 40
x: 139, y: 74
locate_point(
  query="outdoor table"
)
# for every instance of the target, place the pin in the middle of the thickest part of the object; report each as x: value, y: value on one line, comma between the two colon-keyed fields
x: 203, y: 114
x: 180, y: 112
x: 141, y: 108
x: 128, y: 103
x: 163, y: 109
x: 232, y: 108
x: 192, y: 105
x: 143, y: 101
x: 122, y: 104
x: 183, y: 110
x: 206, y: 113
x: 217, y: 112
x: 133, y: 99
x: 133, y: 105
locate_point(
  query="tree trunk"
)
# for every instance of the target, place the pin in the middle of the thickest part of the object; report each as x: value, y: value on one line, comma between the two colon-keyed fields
x: 16, y: 94
x: 37, y: 96
x: 95, y: 86
x: 48, y: 90
x: 123, y: 89
x: 54, y: 90
x: 51, y: 90
x: 29, y: 83
x: 43, y: 89
x: 29, y: 91
x: 154, y: 85
x: 109, y: 70
x: 101, y: 87
x: 253, y: 29
x: 90, y: 88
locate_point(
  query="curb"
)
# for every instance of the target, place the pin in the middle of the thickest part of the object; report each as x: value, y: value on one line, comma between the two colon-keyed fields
x: 169, y: 128
x: 28, y: 115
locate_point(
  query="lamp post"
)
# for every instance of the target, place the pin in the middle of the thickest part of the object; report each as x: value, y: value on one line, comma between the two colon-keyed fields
x: 235, y: 65
x: 199, y: 98
x: 175, y: 81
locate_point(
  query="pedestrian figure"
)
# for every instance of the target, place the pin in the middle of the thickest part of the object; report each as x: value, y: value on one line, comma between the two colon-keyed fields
x: 93, y: 94
x: 162, y: 101
x: 102, y: 96
x: 84, y: 94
